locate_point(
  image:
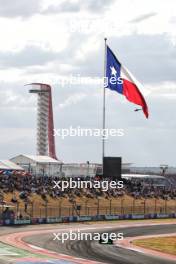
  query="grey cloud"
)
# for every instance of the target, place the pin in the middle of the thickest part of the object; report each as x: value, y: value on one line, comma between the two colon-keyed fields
x: 19, y: 8
x: 67, y: 56
x: 151, y: 58
x: 70, y: 6
x: 98, y: 5
x: 143, y: 17
x: 25, y: 8
x: 29, y: 56
x: 66, y: 6
x: 34, y: 55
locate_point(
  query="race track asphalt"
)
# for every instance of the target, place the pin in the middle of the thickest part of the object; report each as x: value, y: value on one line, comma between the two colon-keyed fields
x: 92, y: 250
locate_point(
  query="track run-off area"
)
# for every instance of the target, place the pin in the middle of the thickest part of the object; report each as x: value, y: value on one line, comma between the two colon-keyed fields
x: 36, y: 244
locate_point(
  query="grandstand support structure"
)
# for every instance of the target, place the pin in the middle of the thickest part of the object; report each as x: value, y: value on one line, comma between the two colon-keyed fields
x: 45, y: 120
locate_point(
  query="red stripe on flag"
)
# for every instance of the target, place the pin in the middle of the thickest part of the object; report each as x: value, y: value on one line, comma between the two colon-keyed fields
x: 133, y: 95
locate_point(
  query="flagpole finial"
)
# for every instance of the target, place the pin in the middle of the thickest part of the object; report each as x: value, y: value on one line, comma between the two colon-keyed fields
x: 105, y: 39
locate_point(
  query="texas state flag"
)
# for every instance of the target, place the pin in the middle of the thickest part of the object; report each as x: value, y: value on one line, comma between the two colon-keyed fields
x: 122, y: 81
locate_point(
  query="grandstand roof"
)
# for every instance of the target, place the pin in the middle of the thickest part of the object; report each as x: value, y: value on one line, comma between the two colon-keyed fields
x: 43, y: 159
x: 40, y: 159
x: 9, y: 165
x: 142, y: 176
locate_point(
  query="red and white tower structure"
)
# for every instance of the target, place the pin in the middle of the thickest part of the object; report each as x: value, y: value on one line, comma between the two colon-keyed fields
x: 45, y: 120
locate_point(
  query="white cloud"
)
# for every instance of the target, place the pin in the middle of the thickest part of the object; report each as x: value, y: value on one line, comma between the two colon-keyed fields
x: 73, y: 99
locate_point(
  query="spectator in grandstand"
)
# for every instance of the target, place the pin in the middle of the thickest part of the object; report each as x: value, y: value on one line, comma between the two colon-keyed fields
x: 43, y: 186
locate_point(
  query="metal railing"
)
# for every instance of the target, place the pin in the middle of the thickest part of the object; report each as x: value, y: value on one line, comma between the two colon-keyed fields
x: 47, y: 210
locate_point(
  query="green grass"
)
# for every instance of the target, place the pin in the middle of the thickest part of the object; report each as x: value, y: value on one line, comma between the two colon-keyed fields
x: 161, y: 244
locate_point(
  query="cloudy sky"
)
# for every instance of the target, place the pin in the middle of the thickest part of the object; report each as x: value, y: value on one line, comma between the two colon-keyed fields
x: 53, y: 40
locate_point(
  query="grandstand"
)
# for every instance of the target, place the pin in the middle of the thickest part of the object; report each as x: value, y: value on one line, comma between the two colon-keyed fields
x: 151, y: 170
x: 35, y: 196
x: 26, y: 188
x: 154, y: 180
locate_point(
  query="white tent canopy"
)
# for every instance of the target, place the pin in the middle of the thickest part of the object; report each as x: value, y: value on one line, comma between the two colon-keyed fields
x: 9, y: 165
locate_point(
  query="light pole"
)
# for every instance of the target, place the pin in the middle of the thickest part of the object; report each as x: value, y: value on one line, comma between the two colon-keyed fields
x: 163, y: 168
x: 88, y: 164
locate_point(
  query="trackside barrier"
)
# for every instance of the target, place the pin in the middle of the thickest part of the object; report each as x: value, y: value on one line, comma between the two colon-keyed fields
x: 163, y: 215
x: 7, y: 222
x: 84, y: 218
x: 41, y: 220
x: 112, y: 217
x: 54, y: 220
x: 138, y: 216
x: 21, y: 222
x: 73, y: 218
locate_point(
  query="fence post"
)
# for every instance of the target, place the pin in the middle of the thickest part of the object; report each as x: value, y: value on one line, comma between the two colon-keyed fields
x: 98, y: 206
x: 60, y: 207
x: 86, y: 207
x: 155, y: 205
x: 17, y: 209
x: 32, y: 209
x: 134, y: 205
x: 72, y: 209
x: 165, y: 206
x: 110, y: 206
x: 144, y: 206
x: 122, y: 209
x: 46, y: 209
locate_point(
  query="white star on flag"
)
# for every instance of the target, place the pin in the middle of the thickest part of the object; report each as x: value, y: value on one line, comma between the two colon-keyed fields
x: 113, y: 71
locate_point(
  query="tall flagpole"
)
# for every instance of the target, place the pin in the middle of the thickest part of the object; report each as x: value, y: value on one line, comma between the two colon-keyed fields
x: 104, y: 102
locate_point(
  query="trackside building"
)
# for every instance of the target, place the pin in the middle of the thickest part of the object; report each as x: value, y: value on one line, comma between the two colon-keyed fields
x: 39, y: 165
